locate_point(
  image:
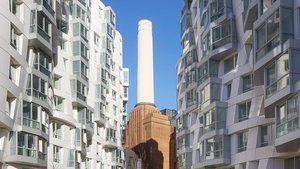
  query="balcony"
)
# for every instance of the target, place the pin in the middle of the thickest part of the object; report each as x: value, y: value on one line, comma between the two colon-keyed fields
x: 218, y: 157
x: 110, y: 142
x: 47, y: 7
x: 100, y: 118
x: 223, y: 40
x: 288, y: 136
x: 250, y: 13
x: 27, y: 156
x: 78, y: 95
x: 40, y: 35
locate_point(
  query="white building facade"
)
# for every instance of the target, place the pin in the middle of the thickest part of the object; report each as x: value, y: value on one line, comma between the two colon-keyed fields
x: 238, y: 85
x: 63, y: 86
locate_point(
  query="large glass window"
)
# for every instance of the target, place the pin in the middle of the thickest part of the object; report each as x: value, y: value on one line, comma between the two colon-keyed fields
x: 31, y: 116
x: 27, y: 145
x: 44, y: 26
x: 217, y: 8
x: 268, y: 35
x: 214, y: 148
x: 221, y: 34
x: 42, y: 62
x: 277, y: 75
x: 287, y: 116
x: 190, y: 77
x: 207, y: 69
x: 190, y: 98
x: 210, y: 121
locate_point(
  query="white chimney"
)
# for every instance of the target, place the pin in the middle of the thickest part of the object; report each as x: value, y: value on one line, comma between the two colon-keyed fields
x: 145, y: 81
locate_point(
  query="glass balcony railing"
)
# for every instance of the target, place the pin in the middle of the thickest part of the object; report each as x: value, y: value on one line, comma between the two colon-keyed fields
x: 277, y: 85
x: 29, y: 152
x: 45, y: 35
x: 111, y: 139
x: 287, y: 127
x: 216, y: 154
x: 31, y: 123
x: 271, y: 44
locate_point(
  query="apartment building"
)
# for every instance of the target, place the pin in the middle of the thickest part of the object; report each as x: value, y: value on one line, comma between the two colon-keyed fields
x: 238, y: 85
x: 62, y: 84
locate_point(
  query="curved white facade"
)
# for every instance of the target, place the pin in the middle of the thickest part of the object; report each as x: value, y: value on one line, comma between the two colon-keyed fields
x: 62, y: 85
x: 237, y: 88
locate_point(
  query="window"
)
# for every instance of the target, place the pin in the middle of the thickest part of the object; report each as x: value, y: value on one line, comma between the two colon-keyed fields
x: 39, y: 88
x: 263, y: 136
x: 230, y: 63
x: 31, y: 116
x: 44, y: 26
x: 287, y: 116
x: 78, y: 89
x: 80, y: 49
x: 14, y: 73
x: 190, y: 77
x: 71, y: 158
x: 113, y: 80
x: 221, y: 34
x: 114, y: 95
x: 268, y: 36
x: 210, y: 121
x: 59, y: 103
x: 207, y: 69
x: 96, y: 39
x: 277, y: 75
x: 114, y: 109
x: 247, y: 83
x: 80, y: 69
x: 57, y: 154
x: 57, y: 130
x: 57, y: 82
x: 214, y: 148
x: 242, y: 141
x: 228, y: 90
x: 27, y: 145
x: 42, y: 62
x: 15, y: 38
x: 190, y: 97
x: 62, y: 26
x: 111, y: 135
x: 217, y: 9
x: 244, y: 110
x: 110, y: 31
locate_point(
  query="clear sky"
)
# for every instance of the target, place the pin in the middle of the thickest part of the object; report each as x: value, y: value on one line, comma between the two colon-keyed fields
x: 165, y: 17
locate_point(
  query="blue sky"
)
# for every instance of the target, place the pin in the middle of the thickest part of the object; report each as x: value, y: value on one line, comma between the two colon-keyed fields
x: 165, y: 17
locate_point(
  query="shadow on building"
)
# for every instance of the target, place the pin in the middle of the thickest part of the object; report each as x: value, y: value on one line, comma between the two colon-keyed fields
x: 150, y: 155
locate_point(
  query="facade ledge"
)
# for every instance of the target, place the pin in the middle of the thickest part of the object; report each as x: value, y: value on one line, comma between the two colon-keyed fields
x: 6, y: 121
x: 212, y: 163
x: 288, y: 142
x: 23, y: 160
x: 66, y: 118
